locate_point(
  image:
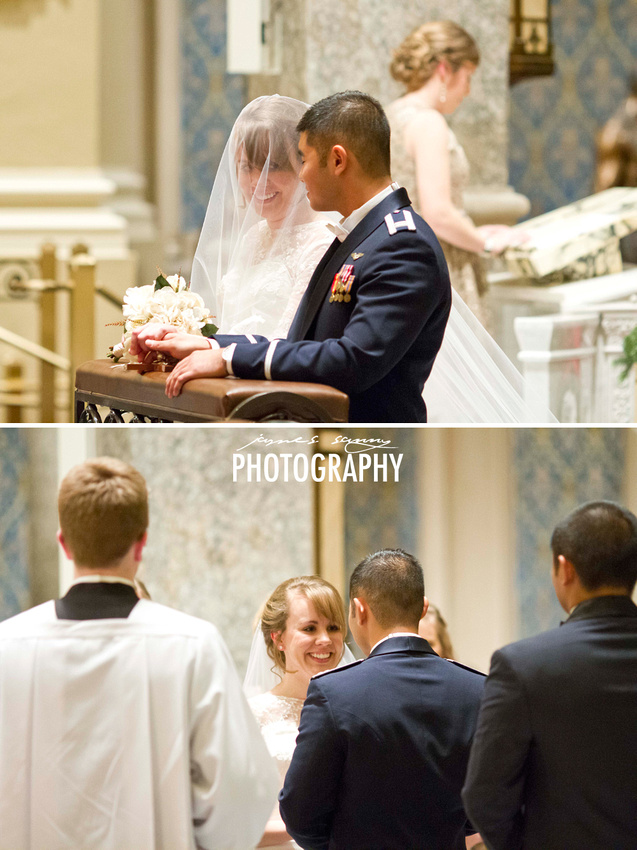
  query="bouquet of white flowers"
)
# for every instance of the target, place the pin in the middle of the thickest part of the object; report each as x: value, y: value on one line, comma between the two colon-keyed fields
x: 167, y: 301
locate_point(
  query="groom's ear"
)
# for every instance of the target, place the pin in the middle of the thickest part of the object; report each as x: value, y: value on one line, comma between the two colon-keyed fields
x: 359, y: 610
x: 338, y: 158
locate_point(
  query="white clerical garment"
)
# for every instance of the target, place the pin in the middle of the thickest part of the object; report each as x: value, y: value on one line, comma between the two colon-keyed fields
x: 126, y: 734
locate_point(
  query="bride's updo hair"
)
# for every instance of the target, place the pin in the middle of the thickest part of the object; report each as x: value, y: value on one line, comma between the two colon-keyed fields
x: 324, y: 596
x: 267, y: 128
x: 417, y: 58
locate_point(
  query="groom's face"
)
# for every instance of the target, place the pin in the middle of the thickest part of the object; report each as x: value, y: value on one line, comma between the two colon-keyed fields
x: 317, y: 178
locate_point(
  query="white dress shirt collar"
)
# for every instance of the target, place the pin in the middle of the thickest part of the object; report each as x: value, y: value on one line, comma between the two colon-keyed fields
x: 346, y: 225
x: 393, y: 635
x: 99, y: 579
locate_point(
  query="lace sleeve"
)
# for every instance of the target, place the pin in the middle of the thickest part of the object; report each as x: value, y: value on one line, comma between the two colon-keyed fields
x: 311, y: 248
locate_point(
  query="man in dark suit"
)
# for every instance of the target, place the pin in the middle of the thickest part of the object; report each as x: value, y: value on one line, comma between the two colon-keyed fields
x: 383, y: 743
x: 553, y: 761
x: 373, y: 316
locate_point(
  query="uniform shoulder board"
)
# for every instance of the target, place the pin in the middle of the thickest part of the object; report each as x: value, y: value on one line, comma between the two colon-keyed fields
x: 464, y: 667
x: 395, y: 223
x: 337, y: 669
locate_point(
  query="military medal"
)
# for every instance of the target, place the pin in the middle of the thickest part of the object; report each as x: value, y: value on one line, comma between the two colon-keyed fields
x: 342, y: 283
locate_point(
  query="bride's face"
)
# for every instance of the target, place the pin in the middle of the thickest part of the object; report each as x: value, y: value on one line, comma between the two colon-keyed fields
x: 311, y: 642
x: 271, y: 189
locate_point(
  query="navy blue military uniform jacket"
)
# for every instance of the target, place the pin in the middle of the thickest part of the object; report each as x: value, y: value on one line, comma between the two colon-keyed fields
x: 376, y: 342
x: 553, y: 761
x: 382, y: 752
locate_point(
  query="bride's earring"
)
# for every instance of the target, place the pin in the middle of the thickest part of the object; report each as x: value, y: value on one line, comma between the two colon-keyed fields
x: 443, y: 92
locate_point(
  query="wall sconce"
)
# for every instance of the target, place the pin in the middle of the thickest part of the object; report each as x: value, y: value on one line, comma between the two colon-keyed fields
x: 531, y: 47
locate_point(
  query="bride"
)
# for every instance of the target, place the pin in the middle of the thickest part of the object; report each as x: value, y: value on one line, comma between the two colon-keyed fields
x: 259, y: 245
x: 301, y: 632
x: 260, y: 240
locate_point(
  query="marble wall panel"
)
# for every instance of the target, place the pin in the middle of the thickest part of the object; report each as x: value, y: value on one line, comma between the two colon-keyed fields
x: 349, y: 45
x: 383, y: 515
x: 211, y: 101
x: 14, y: 536
x: 216, y: 548
x: 556, y: 470
x: 554, y: 120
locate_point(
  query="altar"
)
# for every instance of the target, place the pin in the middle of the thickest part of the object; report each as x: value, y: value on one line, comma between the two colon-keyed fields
x: 565, y: 303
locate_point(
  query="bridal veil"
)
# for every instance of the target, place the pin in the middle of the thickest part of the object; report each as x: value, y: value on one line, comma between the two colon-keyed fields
x: 260, y: 240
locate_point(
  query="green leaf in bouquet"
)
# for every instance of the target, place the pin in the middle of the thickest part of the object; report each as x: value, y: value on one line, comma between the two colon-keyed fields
x: 209, y: 329
x: 160, y: 282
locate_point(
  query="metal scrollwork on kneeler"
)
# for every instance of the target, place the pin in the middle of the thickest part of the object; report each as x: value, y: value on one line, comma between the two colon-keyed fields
x: 90, y: 415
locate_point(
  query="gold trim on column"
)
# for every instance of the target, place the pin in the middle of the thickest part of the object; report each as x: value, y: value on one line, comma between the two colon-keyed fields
x: 329, y: 519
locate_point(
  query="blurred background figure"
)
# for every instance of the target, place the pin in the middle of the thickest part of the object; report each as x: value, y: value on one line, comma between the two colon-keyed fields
x: 433, y: 628
x: 617, y: 157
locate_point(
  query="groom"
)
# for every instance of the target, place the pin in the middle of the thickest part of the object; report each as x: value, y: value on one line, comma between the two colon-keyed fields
x: 373, y: 316
x: 383, y: 743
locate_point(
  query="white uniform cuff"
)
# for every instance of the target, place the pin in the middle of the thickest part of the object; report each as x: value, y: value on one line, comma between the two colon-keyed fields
x: 227, y: 356
x: 267, y: 364
x: 212, y: 342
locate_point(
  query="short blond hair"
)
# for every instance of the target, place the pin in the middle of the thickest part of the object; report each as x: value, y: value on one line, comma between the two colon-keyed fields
x: 103, y: 510
x: 325, y: 598
x: 417, y: 58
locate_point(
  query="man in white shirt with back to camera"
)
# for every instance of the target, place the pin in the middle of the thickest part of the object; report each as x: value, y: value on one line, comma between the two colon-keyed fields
x: 123, y: 725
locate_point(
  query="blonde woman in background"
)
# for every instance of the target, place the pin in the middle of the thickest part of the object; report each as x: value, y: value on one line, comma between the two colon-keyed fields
x: 435, y: 63
x: 472, y: 379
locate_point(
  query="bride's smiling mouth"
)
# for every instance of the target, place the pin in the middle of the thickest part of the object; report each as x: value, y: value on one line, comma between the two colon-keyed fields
x: 265, y: 198
x: 321, y: 656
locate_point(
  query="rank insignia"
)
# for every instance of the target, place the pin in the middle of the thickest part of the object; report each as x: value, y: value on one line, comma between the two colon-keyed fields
x: 394, y: 225
x: 342, y: 283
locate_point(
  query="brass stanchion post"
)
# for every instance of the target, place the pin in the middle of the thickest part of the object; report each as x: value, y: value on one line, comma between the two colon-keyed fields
x: 13, y: 379
x: 82, y: 317
x: 48, y: 322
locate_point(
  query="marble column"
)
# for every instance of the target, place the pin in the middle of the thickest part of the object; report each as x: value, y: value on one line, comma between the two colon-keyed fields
x: 216, y: 548
x: 328, y: 46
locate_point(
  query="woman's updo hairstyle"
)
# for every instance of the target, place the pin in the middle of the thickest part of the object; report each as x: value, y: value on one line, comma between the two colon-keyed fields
x: 417, y: 58
x: 325, y: 598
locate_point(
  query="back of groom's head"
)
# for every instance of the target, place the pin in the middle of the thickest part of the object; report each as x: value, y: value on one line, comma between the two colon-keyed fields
x: 600, y: 541
x: 392, y: 583
x: 103, y: 510
x: 354, y: 120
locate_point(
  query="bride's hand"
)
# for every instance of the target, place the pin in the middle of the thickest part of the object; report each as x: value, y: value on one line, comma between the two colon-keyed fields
x: 199, y: 364
x: 143, y: 335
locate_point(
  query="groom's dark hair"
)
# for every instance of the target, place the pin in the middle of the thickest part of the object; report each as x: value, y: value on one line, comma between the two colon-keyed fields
x: 392, y: 583
x: 354, y: 120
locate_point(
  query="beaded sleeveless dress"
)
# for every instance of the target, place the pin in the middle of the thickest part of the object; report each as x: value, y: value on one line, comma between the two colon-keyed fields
x: 465, y: 267
x: 278, y: 718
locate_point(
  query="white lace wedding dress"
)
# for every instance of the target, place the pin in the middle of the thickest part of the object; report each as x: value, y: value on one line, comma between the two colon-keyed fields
x: 262, y: 290
x: 279, y: 719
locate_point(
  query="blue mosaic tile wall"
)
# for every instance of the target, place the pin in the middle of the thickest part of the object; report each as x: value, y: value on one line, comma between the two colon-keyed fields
x: 556, y: 470
x: 211, y: 101
x: 554, y: 120
x: 383, y: 515
x: 14, y: 555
